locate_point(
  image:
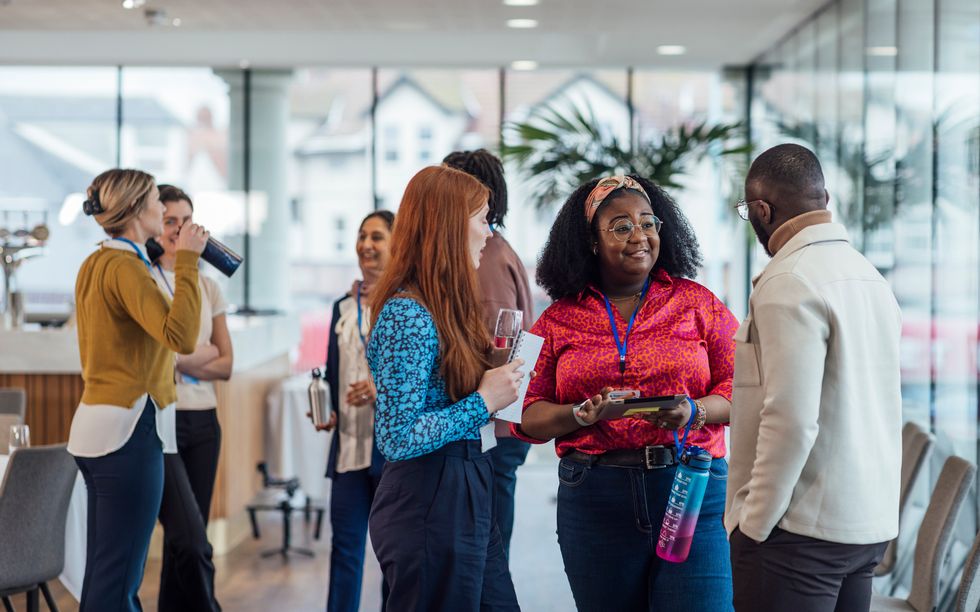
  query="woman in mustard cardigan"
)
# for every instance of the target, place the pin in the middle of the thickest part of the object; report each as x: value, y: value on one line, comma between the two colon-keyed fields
x: 127, y: 334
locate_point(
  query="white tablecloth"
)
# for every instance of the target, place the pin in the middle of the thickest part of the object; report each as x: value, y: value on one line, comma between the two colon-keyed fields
x: 75, y: 533
x: 292, y: 446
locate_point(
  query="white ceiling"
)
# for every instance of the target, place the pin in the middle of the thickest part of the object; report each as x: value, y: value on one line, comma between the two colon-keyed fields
x: 395, y: 32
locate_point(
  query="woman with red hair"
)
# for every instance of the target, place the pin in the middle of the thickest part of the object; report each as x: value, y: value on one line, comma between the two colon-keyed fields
x: 432, y: 523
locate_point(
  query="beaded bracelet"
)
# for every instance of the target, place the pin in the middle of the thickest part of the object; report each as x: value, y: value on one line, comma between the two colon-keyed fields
x: 702, y: 416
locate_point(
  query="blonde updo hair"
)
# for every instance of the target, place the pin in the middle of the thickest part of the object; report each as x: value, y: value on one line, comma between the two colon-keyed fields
x: 118, y: 196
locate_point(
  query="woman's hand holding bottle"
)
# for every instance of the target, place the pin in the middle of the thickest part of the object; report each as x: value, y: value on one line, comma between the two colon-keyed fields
x: 192, y: 237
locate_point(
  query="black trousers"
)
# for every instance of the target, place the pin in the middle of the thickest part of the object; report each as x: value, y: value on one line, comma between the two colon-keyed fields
x: 187, y: 575
x: 794, y: 572
x: 433, y: 529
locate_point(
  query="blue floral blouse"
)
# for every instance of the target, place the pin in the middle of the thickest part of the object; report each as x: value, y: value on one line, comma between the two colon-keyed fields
x: 415, y: 415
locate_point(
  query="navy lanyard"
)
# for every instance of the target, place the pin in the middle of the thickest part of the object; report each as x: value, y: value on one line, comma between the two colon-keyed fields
x: 165, y: 281
x: 139, y: 253
x: 621, y: 345
x: 359, y: 317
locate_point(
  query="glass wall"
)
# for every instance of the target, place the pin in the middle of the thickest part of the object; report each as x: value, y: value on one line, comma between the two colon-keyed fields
x: 317, y: 149
x: 896, y: 97
x: 57, y: 131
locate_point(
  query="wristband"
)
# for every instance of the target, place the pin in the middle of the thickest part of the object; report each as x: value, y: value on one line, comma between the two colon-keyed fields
x: 578, y: 419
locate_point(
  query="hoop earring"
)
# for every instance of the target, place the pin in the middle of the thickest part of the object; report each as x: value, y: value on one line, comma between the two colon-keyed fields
x: 595, y: 249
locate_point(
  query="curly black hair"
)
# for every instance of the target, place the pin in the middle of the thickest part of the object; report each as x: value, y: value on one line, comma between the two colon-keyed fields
x: 489, y: 170
x: 567, y: 264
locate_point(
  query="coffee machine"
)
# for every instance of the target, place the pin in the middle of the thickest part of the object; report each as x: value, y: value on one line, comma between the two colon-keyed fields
x: 23, y: 234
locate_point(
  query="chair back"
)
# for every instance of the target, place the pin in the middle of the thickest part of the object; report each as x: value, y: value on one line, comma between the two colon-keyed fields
x: 34, y: 496
x: 13, y: 401
x: 936, y: 531
x: 917, y: 444
x: 968, y: 595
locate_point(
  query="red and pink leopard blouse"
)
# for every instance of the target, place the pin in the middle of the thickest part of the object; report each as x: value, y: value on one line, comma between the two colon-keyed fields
x: 681, y: 343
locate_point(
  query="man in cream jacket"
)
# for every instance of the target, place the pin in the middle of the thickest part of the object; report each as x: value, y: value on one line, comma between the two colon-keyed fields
x: 816, y: 414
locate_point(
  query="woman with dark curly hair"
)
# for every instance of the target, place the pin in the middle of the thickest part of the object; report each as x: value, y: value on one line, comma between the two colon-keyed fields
x: 626, y: 322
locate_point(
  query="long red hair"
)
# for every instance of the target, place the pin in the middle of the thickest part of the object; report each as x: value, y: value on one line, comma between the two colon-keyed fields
x: 430, y: 258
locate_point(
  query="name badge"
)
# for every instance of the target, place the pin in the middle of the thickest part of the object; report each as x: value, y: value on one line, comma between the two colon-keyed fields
x: 487, y: 438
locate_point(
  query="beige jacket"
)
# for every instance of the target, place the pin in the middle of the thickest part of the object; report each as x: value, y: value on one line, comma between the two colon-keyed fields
x: 817, y: 408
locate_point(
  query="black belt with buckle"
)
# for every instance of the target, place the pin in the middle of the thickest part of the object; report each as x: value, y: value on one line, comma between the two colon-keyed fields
x: 648, y: 457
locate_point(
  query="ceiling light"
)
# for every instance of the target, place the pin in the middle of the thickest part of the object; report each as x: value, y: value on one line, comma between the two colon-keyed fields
x: 671, y: 49
x: 524, y: 65
x: 176, y: 22
x: 521, y: 2
x: 522, y: 24
x: 131, y: 4
x: 882, y: 51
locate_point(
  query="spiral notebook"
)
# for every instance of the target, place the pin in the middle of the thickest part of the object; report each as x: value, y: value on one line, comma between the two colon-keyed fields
x: 526, y: 347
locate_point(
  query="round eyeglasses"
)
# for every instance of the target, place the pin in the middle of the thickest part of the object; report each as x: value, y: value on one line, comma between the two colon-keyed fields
x: 622, y: 230
x: 742, y: 207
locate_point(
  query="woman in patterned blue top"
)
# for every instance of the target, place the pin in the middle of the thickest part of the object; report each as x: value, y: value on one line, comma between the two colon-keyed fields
x: 432, y: 522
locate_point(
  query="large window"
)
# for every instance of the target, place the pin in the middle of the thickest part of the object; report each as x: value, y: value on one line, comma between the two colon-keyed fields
x: 331, y: 183
x: 898, y: 130
x: 423, y: 115
x: 57, y: 132
x: 174, y: 124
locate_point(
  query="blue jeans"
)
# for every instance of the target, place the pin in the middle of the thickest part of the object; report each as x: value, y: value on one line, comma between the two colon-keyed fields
x: 608, y: 523
x: 507, y: 456
x: 124, y: 492
x: 351, y: 496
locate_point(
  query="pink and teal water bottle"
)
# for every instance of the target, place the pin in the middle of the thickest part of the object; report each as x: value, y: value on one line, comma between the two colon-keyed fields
x: 684, y: 505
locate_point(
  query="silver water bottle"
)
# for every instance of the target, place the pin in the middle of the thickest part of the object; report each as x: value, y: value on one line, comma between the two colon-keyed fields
x: 319, y: 399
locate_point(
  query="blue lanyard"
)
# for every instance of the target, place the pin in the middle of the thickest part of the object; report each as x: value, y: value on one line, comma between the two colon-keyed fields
x: 139, y: 253
x: 621, y: 344
x: 165, y: 281
x: 680, y: 444
x: 359, y: 317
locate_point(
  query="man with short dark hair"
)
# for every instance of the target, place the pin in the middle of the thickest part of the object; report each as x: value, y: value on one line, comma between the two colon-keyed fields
x: 816, y: 413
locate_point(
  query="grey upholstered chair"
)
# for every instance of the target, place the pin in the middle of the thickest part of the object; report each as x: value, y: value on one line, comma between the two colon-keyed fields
x: 916, y: 446
x: 34, y: 498
x: 935, y: 535
x: 968, y: 595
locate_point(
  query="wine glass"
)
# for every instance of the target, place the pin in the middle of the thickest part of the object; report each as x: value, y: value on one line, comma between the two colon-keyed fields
x: 20, y: 437
x: 508, y: 327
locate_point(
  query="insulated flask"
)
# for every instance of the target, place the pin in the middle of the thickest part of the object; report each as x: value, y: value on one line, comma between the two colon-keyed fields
x: 684, y: 505
x: 319, y: 400
x: 215, y: 253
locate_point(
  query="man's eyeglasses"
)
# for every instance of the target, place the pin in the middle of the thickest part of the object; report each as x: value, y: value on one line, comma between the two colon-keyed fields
x: 622, y: 230
x: 742, y: 207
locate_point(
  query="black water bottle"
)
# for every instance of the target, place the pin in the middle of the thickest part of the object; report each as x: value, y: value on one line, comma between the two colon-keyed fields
x: 215, y: 253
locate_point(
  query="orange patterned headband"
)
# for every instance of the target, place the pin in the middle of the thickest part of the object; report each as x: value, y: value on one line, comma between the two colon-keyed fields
x: 607, y: 186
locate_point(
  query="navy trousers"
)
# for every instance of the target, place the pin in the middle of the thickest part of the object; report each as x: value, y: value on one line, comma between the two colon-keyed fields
x: 507, y: 456
x: 187, y: 573
x: 434, y: 531
x: 124, y: 492
x: 351, y: 496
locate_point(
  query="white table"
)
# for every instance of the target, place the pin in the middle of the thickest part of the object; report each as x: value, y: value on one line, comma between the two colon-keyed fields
x: 292, y: 446
x: 75, y: 534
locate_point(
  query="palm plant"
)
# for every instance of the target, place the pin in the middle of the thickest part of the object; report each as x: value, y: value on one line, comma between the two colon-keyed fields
x: 561, y: 146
